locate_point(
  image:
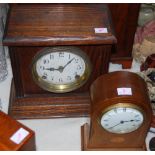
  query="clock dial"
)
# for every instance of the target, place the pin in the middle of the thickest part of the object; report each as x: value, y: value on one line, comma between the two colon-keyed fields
x: 122, y: 120
x: 61, y: 69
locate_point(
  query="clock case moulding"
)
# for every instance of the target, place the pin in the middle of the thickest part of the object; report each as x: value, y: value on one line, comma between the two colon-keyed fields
x: 33, y: 27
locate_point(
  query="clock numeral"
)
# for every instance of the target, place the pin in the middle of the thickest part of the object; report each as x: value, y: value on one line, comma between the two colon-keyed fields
x: 52, y: 78
x: 77, y: 77
x: 44, y: 76
x: 45, y: 61
x: 76, y: 60
x: 61, y: 54
x: 42, y: 67
x: 51, y: 56
x: 69, y: 56
x: 60, y: 80
x: 79, y: 67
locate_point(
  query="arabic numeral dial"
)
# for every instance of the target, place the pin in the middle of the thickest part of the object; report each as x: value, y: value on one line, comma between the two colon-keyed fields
x: 61, y: 69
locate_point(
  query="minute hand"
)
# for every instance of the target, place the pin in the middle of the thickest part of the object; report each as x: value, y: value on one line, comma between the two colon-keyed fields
x: 68, y: 62
x: 121, y: 122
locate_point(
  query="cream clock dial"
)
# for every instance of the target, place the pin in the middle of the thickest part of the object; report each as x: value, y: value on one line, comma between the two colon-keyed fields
x: 61, y: 69
x: 122, y: 120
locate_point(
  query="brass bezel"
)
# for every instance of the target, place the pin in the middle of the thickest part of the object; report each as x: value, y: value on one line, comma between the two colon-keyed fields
x: 61, y: 88
x: 121, y: 105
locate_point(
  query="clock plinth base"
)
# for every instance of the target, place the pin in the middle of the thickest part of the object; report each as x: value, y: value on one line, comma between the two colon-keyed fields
x: 34, y: 107
x: 85, y: 141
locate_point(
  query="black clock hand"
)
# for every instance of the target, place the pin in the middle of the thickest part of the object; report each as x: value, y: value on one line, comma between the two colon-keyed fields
x: 60, y: 68
x: 68, y: 62
x: 129, y: 121
x: 121, y: 122
x: 51, y: 69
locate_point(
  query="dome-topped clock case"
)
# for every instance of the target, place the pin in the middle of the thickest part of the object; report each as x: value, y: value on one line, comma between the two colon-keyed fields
x: 121, y: 113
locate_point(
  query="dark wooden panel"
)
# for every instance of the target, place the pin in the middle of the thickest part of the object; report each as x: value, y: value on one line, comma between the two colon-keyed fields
x: 15, y: 63
x: 57, y: 24
x: 98, y: 55
x: 125, y: 18
x: 46, y: 106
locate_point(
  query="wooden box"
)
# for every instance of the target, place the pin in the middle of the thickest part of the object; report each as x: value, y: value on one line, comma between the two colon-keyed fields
x: 14, y: 136
x: 33, y: 27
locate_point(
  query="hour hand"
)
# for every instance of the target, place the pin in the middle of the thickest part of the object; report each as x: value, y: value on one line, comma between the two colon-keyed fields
x: 60, y: 69
x: 51, y: 69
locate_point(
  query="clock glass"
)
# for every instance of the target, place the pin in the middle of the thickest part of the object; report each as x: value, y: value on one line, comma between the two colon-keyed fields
x: 61, y: 69
x: 122, y: 120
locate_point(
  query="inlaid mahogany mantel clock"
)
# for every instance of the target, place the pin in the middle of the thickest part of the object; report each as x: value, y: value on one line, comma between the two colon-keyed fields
x: 120, y: 115
x: 56, y: 51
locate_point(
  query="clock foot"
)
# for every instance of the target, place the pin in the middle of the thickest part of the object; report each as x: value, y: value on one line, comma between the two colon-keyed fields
x: 85, y: 143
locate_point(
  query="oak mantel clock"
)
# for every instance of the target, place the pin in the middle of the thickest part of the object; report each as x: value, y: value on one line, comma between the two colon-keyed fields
x: 120, y: 113
x: 56, y: 51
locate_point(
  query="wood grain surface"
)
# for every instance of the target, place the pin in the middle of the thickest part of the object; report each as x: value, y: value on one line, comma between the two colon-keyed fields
x: 8, y: 127
x: 57, y: 24
x: 104, y: 94
x: 33, y: 27
x: 125, y: 21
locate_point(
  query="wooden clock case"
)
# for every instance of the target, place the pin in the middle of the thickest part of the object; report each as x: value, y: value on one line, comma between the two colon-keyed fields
x: 104, y: 94
x: 33, y: 27
x: 125, y: 20
x: 10, y: 127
